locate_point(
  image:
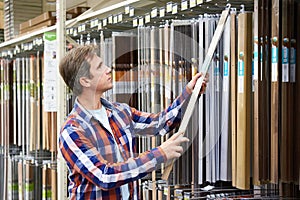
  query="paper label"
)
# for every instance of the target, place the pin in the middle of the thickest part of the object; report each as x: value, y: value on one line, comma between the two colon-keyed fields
x: 261, y: 58
x: 192, y: 3
x: 154, y: 12
x: 255, y: 60
x: 199, y: 2
x: 162, y: 12
x: 147, y: 18
x: 225, y: 76
x: 51, y: 72
x: 169, y: 7
x: 285, y: 64
x: 184, y: 5
x: 241, y: 76
x: 274, y: 63
x: 165, y: 190
x: 175, y: 9
x: 131, y: 12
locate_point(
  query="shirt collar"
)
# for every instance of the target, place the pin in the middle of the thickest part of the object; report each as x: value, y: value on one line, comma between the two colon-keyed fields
x: 84, y: 113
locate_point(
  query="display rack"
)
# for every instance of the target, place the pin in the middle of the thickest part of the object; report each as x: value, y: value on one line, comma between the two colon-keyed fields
x: 149, y: 19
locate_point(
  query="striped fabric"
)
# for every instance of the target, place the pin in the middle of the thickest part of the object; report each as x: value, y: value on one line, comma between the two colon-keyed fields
x: 88, y: 148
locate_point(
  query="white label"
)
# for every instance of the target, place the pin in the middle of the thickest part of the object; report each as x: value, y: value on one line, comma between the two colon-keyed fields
x: 147, y: 18
x: 225, y: 76
x: 241, y: 76
x: 169, y: 7
x: 110, y: 19
x: 141, y: 21
x: 165, y: 190
x: 120, y: 17
x: 255, y: 60
x: 192, y: 3
x: 162, y: 12
x: 127, y: 8
x: 115, y: 19
x: 199, y: 2
x: 135, y: 22
x: 154, y: 13
x: 285, y: 64
x: 274, y: 63
x: 175, y: 9
x: 131, y: 12
x: 51, y: 73
x: 184, y: 5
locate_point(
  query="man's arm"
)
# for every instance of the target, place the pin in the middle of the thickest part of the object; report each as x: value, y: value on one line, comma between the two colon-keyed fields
x: 163, y: 122
x: 81, y: 156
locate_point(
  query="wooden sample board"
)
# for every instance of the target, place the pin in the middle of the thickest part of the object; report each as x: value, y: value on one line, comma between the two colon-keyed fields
x: 244, y: 72
x: 275, y: 109
x: 286, y: 146
x: 297, y: 99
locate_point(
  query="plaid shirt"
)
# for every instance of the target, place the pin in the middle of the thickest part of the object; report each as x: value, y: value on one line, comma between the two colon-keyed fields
x: 88, y: 148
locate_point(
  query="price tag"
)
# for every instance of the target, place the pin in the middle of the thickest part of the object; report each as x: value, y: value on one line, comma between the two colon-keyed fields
x: 127, y: 8
x: 154, y: 13
x: 104, y: 22
x: 192, y: 3
x: 141, y: 21
x: 131, y: 12
x: 147, y: 18
x: 169, y: 7
x: 99, y: 26
x: 199, y: 2
x: 120, y: 17
x: 110, y: 19
x: 175, y: 9
x: 135, y: 22
x: 162, y: 12
x: 184, y: 5
x: 115, y: 19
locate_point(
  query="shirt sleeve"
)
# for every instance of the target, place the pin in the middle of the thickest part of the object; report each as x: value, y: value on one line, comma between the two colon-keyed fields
x: 162, y: 122
x: 83, y: 158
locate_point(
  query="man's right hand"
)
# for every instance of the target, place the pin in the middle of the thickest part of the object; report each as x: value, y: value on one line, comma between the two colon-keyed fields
x: 172, y: 147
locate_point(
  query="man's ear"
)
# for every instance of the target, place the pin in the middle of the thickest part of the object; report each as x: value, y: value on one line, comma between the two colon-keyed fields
x: 85, y: 82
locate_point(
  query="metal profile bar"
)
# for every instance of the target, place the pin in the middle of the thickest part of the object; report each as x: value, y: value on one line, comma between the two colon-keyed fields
x: 197, y: 88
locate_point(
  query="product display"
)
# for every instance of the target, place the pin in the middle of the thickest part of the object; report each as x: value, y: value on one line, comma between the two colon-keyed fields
x: 242, y: 130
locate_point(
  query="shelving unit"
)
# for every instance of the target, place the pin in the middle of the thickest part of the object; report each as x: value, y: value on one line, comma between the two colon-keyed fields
x: 138, y: 17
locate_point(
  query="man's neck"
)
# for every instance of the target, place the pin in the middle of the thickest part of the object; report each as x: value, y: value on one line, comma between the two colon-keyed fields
x: 90, y: 102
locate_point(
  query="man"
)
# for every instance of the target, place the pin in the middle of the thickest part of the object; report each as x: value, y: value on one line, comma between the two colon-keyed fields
x: 97, y: 138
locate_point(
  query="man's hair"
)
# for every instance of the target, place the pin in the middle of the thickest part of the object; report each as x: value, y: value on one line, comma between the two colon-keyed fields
x: 75, y: 65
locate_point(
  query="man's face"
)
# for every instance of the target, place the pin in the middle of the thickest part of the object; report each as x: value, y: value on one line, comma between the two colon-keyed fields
x: 101, y: 80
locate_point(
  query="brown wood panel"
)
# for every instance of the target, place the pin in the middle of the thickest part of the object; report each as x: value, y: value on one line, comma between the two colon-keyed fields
x: 265, y: 97
x: 244, y: 100
x: 53, y: 138
x: 290, y: 95
x: 275, y: 92
x: 286, y: 134
x: 54, y: 184
x: 297, y: 100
